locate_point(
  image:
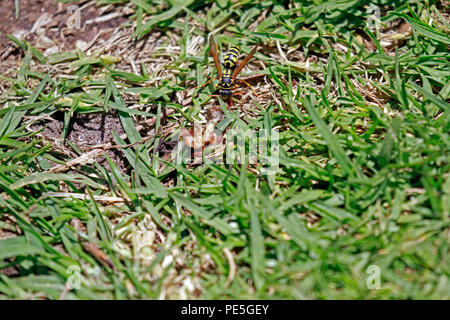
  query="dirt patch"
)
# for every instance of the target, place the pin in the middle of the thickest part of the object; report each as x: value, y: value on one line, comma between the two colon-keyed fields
x: 55, y: 27
x: 88, y: 130
x: 94, y: 129
x: 29, y: 12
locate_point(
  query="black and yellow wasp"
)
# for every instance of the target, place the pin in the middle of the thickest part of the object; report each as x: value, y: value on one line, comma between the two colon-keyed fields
x: 230, y: 71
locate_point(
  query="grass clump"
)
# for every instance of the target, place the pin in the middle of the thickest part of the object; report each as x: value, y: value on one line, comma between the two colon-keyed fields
x: 360, y: 103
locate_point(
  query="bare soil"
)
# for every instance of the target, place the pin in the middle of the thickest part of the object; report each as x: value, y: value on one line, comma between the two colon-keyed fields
x: 49, y: 24
x: 57, y: 27
x: 85, y: 131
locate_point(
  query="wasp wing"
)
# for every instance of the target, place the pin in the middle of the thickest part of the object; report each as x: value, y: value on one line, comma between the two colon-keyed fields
x: 215, y: 54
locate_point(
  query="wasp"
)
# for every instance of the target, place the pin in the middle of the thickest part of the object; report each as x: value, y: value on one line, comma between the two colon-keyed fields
x: 231, y: 69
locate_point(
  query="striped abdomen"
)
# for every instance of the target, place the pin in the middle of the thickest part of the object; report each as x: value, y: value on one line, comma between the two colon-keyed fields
x: 231, y: 56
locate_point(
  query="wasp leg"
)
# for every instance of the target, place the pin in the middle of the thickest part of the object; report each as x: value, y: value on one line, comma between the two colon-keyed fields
x: 205, y: 84
x: 248, y: 85
x: 230, y: 99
